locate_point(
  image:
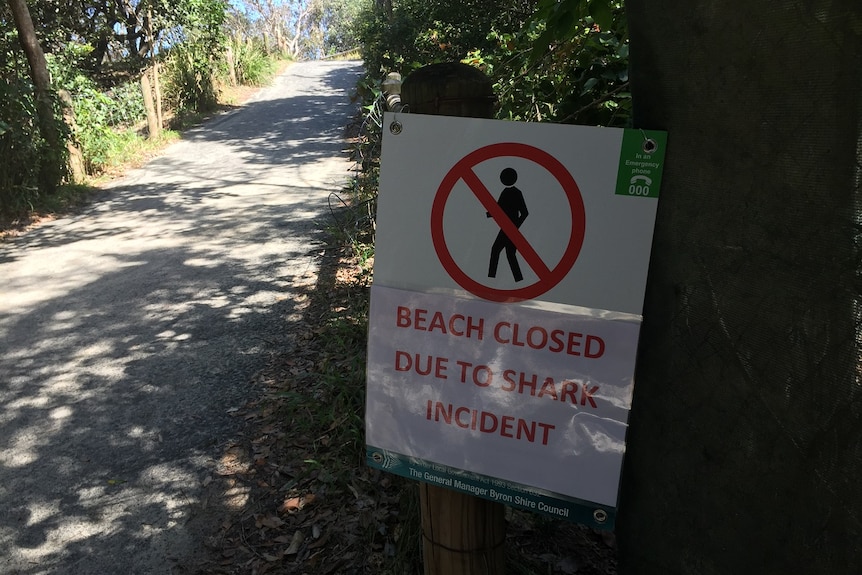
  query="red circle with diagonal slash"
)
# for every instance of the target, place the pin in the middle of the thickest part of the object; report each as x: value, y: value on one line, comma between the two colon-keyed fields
x: 548, y: 276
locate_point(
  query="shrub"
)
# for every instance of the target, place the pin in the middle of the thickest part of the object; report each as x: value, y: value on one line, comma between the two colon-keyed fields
x: 20, y: 145
x: 188, y: 78
x: 251, y: 65
x: 103, y: 120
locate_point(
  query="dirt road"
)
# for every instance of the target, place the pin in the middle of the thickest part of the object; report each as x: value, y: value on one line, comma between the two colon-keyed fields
x: 129, y: 332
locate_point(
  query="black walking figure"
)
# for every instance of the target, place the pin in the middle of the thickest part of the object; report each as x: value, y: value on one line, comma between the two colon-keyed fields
x: 512, y: 202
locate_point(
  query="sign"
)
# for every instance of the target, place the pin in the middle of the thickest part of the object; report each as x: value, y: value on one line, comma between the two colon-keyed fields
x: 640, y: 164
x: 505, y: 310
x: 548, y: 276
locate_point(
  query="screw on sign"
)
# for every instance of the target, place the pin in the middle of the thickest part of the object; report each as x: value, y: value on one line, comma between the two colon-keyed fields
x: 509, y: 213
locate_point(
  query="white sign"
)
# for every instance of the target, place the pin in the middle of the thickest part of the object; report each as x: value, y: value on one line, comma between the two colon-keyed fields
x: 510, y: 266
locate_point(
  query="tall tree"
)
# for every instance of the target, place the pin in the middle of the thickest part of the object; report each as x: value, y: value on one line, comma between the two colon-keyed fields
x: 404, y: 34
x: 52, y: 168
x: 745, y: 445
x: 281, y: 23
x: 334, y: 21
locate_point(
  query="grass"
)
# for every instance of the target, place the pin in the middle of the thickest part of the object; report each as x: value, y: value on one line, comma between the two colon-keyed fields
x: 336, y: 402
x: 131, y: 151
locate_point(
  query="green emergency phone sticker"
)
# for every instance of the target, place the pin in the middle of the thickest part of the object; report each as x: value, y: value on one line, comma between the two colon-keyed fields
x: 641, y: 163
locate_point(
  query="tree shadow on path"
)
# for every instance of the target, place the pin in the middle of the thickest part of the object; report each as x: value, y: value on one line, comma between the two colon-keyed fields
x: 133, y: 331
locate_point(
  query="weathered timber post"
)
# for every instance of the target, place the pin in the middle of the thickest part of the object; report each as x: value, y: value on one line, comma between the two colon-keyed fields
x: 462, y: 535
x: 449, y: 89
x: 231, y: 65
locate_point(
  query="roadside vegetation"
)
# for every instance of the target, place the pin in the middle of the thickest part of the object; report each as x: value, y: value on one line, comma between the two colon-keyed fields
x: 550, y: 60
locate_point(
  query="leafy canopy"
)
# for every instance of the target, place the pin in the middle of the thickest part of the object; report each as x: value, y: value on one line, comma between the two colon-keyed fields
x: 550, y: 60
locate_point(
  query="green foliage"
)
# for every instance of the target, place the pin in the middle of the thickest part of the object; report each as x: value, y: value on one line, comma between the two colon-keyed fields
x: 20, y: 145
x: 96, y: 52
x: 203, y: 21
x: 551, y: 60
x: 194, y: 57
x: 115, y: 148
x: 102, y: 144
x: 421, y: 32
x: 128, y: 104
x: 336, y: 18
x: 563, y: 66
x: 296, y: 28
x: 252, y: 67
x: 102, y: 117
x: 27, y: 162
x: 120, y: 105
x: 189, y: 78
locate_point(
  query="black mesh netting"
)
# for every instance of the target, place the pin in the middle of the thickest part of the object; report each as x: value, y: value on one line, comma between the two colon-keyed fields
x: 745, y: 446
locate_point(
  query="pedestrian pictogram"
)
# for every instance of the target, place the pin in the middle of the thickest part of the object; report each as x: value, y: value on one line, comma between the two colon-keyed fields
x: 512, y: 203
x: 509, y: 212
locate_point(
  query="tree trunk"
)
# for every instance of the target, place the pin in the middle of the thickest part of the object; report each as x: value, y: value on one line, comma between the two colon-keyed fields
x: 294, y: 46
x: 745, y: 445
x: 52, y: 166
x: 152, y: 116
x: 231, y: 65
x: 386, y: 7
x: 157, y: 88
x: 157, y: 95
x: 76, y: 157
x: 279, y: 41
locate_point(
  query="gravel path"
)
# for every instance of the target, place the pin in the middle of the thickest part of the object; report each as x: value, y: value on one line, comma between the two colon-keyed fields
x: 129, y: 332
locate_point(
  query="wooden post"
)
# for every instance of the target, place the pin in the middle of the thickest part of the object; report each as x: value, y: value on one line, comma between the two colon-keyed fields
x: 462, y: 535
x: 157, y: 88
x: 392, y: 91
x: 449, y: 89
x: 231, y: 64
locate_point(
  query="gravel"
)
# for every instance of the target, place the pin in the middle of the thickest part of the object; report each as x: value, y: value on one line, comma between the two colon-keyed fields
x: 130, y: 332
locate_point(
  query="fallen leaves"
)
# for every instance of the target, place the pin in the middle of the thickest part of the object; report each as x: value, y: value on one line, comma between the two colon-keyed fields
x: 270, y: 521
x: 297, y: 540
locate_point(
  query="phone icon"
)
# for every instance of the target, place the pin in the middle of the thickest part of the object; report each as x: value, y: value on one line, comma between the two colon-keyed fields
x: 641, y: 178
